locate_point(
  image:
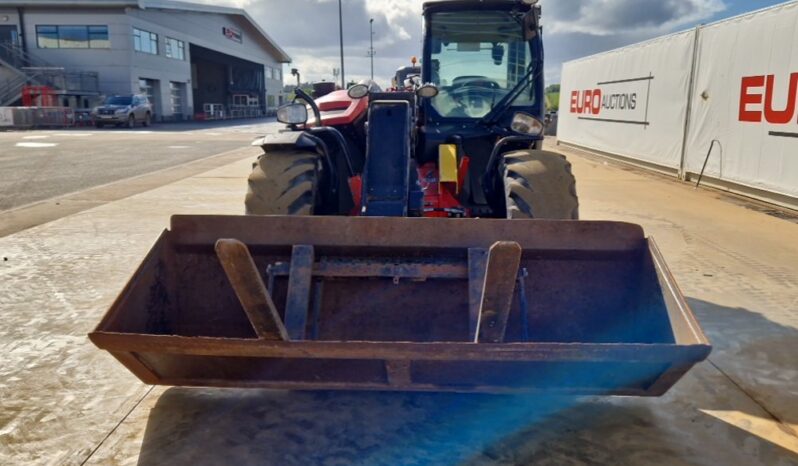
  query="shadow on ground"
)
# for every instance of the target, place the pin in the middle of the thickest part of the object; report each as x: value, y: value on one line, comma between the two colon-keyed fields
x: 248, y: 427
x: 756, y: 353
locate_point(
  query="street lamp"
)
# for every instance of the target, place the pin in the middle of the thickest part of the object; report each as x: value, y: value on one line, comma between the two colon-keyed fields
x: 295, y: 72
x: 341, y: 32
x: 371, y: 49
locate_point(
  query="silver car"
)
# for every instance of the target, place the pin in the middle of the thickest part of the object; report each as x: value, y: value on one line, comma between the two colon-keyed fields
x: 121, y: 110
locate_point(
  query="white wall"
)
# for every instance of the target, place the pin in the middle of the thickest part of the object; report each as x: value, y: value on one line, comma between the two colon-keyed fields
x: 113, y: 65
x: 205, y: 30
x: 643, y: 100
x: 121, y: 67
x: 731, y: 100
x: 11, y: 14
x: 755, y: 46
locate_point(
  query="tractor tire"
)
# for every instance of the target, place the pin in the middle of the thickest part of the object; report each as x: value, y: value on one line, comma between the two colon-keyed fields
x: 539, y: 184
x: 284, y: 182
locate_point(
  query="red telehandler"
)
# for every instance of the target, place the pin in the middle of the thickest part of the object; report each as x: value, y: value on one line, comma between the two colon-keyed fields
x: 416, y: 240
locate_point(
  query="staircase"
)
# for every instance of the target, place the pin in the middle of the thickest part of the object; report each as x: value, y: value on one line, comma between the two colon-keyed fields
x: 19, y: 68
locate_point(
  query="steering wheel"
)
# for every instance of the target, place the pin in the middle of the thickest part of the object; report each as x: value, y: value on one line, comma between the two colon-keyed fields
x: 473, y: 95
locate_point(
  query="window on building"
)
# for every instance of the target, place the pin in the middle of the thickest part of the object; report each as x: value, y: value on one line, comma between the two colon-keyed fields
x: 98, y: 37
x: 72, y: 37
x: 177, y: 91
x: 149, y: 89
x: 175, y: 49
x: 145, y: 41
x: 278, y: 74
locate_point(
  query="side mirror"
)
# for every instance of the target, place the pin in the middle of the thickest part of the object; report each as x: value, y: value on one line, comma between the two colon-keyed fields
x: 358, y: 91
x: 498, y: 54
x: 293, y: 114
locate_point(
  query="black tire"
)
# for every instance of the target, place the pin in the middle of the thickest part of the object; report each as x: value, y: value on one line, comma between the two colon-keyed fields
x: 131, y: 121
x: 147, y: 120
x: 539, y: 184
x: 284, y: 182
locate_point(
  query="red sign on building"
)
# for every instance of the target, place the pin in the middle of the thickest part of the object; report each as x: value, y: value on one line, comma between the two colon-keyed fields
x: 233, y: 34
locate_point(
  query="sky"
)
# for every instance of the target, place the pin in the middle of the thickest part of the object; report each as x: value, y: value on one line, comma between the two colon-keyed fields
x: 308, y: 29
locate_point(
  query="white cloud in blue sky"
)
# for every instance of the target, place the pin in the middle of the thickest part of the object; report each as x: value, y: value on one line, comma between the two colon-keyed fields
x: 308, y: 29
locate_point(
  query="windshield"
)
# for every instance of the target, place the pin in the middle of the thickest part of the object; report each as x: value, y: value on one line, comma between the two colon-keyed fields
x: 117, y: 100
x: 477, y: 58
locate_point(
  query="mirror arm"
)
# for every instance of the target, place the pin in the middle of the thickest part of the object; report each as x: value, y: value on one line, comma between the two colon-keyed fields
x: 309, y: 100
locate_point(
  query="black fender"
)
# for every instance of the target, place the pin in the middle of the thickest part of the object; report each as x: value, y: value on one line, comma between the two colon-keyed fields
x: 331, y: 145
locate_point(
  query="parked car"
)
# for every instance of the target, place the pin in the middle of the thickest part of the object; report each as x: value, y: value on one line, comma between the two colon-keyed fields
x: 123, y: 110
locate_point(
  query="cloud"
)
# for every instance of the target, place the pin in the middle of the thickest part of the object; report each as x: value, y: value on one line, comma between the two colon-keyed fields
x: 308, y: 30
x: 611, y: 17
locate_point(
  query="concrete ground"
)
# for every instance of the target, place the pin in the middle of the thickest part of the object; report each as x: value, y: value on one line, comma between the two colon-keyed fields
x: 64, y: 402
x: 39, y: 165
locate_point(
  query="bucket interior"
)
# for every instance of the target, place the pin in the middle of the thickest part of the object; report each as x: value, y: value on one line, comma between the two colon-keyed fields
x: 571, y: 297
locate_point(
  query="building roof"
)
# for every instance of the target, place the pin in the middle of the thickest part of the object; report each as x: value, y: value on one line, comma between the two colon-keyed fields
x: 282, y: 56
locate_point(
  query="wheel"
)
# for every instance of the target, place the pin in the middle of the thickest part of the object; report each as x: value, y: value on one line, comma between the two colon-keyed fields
x: 131, y: 121
x: 147, y: 120
x: 99, y: 125
x: 284, y: 182
x: 539, y: 184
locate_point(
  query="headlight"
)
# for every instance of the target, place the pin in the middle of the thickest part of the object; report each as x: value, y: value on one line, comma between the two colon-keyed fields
x: 526, y: 124
x: 292, y: 114
x: 427, y: 91
x: 121, y: 110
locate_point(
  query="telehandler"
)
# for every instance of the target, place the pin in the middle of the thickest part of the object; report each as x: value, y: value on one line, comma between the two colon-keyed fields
x: 413, y: 240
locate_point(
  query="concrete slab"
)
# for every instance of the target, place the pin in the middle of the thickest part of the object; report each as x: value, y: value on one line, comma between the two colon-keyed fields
x: 64, y: 402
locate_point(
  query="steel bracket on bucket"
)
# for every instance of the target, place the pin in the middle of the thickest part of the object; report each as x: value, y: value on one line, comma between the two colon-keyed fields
x: 492, y: 276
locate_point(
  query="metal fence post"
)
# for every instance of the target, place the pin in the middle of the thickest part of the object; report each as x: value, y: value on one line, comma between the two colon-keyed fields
x: 690, y: 94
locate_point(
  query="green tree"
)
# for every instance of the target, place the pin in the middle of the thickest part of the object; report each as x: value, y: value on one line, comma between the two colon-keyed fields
x: 553, y: 88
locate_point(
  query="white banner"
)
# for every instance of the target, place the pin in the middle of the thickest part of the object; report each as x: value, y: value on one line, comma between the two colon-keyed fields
x: 746, y: 97
x: 631, y: 101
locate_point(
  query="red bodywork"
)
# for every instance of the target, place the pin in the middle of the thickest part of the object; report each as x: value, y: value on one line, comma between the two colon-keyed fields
x: 338, y: 109
x: 440, y: 199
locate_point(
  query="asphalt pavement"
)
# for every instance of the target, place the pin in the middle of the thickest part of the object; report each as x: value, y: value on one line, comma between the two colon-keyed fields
x: 44, y: 164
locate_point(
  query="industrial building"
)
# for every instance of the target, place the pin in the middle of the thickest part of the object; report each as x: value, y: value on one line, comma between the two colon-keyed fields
x: 192, y: 60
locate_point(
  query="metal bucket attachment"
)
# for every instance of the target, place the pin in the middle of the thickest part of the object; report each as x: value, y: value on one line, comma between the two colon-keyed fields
x: 491, y: 306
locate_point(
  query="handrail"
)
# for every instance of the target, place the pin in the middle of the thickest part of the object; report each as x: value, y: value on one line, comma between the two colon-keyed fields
x: 26, y: 58
x: 32, y: 70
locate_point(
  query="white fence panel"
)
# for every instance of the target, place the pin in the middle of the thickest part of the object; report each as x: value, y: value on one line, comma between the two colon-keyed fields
x: 6, y: 116
x: 631, y: 101
x: 746, y: 97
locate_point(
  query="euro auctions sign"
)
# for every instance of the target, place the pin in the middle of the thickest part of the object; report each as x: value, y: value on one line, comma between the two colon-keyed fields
x: 631, y: 102
x: 669, y: 100
x: 759, y: 102
x: 623, y: 101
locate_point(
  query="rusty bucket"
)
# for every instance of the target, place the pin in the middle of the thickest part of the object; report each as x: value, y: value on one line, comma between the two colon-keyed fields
x: 465, y: 305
